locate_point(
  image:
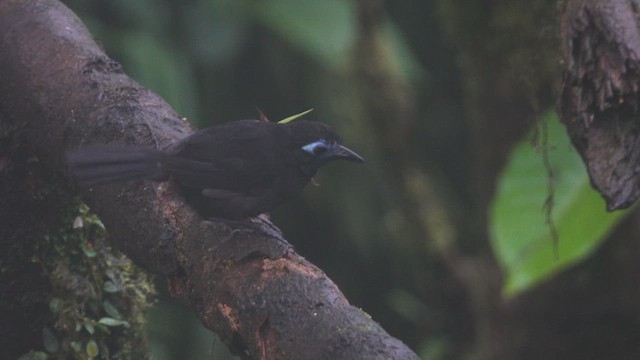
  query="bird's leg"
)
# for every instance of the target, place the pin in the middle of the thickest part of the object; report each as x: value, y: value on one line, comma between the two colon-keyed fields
x: 264, y: 220
x: 260, y: 224
x: 255, y: 244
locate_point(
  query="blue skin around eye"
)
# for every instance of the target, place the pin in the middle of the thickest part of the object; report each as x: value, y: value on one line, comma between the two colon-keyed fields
x: 310, y: 148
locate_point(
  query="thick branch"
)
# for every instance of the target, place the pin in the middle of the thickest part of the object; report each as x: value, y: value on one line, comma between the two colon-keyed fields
x: 600, y: 98
x: 265, y: 301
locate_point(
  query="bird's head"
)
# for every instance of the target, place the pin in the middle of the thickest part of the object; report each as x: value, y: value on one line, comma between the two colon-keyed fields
x: 315, y: 144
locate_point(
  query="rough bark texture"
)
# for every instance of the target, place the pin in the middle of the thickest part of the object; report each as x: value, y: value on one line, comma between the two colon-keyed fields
x: 599, y: 103
x: 58, y: 91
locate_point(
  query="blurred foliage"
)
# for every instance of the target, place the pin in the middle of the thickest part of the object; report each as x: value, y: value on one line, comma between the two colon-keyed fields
x: 522, y: 238
x: 304, y: 25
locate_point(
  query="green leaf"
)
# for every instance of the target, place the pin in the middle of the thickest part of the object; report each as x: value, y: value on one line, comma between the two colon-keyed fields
x: 293, y: 117
x: 94, y: 220
x: 78, y: 223
x: 88, y: 250
x: 55, y: 304
x: 110, y: 287
x: 76, y: 346
x: 92, y: 349
x: 112, y: 322
x: 111, y: 310
x: 49, y: 340
x: 520, y: 237
x: 90, y: 328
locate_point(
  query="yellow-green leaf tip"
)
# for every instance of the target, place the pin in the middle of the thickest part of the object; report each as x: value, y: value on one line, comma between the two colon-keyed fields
x: 293, y: 117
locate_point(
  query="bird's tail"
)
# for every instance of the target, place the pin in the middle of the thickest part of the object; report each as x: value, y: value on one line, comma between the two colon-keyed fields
x: 95, y: 165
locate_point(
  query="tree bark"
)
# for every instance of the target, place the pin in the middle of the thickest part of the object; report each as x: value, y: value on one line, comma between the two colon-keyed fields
x: 59, y: 91
x: 599, y: 103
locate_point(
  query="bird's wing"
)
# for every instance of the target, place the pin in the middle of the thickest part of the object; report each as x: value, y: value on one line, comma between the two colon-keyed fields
x: 238, y: 157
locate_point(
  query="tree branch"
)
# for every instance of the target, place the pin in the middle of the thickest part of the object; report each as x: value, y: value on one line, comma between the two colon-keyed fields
x: 600, y: 45
x: 59, y: 90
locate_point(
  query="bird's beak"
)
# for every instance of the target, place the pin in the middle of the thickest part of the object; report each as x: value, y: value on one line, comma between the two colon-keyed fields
x: 344, y: 153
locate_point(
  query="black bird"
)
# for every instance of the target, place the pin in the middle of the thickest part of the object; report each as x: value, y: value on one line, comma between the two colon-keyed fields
x: 233, y: 170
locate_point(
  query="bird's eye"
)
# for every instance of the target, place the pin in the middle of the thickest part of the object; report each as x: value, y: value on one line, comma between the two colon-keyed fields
x: 316, y: 148
x: 319, y: 150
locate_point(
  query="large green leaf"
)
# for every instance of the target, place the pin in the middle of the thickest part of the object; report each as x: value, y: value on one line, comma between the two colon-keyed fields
x: 521, y: 239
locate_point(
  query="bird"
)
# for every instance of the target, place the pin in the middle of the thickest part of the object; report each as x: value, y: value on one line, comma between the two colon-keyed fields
x: 234, y: 170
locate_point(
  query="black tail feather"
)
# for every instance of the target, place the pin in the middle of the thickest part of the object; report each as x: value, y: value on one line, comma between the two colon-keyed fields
x: 95, y: 165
